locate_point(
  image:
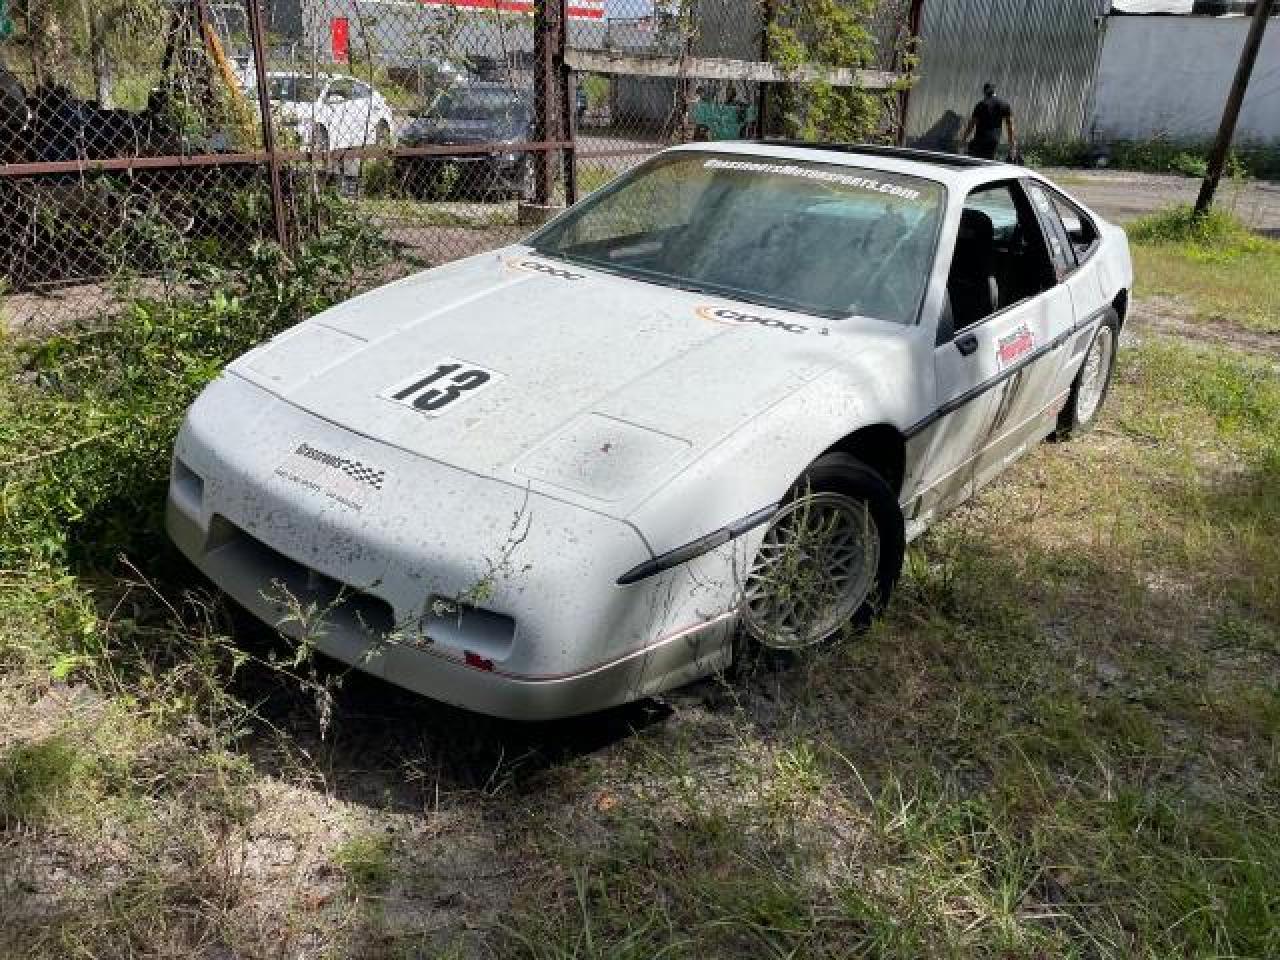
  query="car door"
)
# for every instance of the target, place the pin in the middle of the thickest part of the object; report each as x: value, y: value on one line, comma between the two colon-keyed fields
x: 364, y: 116
x: 1003, y: 309
x: 1026, y: 396
x: 345, y: 129
x: 1074, y: 239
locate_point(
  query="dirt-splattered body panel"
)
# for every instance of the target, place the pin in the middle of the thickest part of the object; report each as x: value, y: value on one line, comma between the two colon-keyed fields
x: 533, y: 488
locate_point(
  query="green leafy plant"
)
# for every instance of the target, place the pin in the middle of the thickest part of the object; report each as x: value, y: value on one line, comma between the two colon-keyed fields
x: 828, y: 33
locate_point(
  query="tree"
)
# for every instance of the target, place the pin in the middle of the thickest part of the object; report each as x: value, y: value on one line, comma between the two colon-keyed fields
x: 76, y: 43
x: 830, y: 33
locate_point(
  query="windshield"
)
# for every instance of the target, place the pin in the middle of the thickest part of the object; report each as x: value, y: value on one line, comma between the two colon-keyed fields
x: 818, y: 238
x: 294, y: 89
x: 495, y: 105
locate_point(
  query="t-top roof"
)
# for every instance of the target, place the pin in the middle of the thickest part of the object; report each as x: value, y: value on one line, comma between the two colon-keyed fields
x: 877, y: 150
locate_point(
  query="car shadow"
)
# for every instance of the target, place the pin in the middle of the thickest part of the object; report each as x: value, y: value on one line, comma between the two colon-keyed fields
x: 378, y: 745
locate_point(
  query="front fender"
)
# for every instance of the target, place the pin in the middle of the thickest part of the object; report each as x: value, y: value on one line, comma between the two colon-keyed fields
x: 755, y: 466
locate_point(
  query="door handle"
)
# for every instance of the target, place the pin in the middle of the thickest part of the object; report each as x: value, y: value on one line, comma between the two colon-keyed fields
x: 966, y: 344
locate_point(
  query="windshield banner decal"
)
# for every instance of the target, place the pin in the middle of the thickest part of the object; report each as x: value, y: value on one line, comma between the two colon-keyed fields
x: 869, y: 184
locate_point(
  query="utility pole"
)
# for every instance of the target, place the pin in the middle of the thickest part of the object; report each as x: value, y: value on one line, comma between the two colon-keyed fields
x: 1231, y: 113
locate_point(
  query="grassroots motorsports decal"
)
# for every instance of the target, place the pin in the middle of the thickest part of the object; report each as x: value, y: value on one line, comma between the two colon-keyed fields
x: 342, y: 479
x: 737, y: 318
x: 869, y: 184
x: 546, y: 269
x: 1015, y: 346
x: 435, y: 390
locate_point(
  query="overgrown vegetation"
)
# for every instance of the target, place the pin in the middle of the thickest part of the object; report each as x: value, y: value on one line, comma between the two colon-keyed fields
x: 1224, y: 271
x: 826, y: 33
x: 1063, y: 740
x: 1152, y: 156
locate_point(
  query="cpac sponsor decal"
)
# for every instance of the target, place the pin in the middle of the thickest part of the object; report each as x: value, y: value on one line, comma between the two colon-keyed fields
x: 534, y: 266
x: 737, y: 318
x: 344, y: 480
x: 1015, y: 346
x: 870, y: 184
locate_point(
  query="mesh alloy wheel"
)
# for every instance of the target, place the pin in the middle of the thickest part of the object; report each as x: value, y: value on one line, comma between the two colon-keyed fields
x: 1094, y: 375
x: 816, y: 567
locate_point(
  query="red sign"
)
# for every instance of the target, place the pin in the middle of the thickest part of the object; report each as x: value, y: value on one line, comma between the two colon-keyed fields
x: 340, y: 35
x: 577, y: 9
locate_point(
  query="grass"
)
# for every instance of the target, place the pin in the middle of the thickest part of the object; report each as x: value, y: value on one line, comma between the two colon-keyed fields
x: 366, y: 863
x: 1063, y: 740
x: 398, y: 211
x: 1159, y: 155
x: 1224, y: 271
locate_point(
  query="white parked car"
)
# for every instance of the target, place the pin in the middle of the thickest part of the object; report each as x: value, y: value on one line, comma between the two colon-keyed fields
x: 713, y: 401
x: 330, y: 111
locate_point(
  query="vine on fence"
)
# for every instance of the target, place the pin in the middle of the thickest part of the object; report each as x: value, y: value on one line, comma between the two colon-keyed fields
x: 834, y: 33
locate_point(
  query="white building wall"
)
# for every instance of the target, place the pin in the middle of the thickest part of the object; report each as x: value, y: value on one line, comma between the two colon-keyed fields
x: 1168, y: 76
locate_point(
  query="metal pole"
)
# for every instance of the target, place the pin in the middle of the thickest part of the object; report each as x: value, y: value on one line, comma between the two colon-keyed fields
x: 767, y: 13
x: 568, y: 107
x: 544, y: 99
x: 1235, y: 99
x: 258, y: 37
x: 913, y: 45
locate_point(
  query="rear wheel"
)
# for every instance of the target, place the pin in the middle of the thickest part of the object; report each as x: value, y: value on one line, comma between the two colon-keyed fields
x: 1092, y: 383
x: 829, y: 557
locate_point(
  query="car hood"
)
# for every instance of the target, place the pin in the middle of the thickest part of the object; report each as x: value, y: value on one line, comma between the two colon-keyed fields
x: 293, y: 109
x: 598, y: 386
x: 462, y: 131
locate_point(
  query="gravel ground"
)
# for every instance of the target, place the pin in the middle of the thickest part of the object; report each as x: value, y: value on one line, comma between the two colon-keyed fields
x: 1122, y: 195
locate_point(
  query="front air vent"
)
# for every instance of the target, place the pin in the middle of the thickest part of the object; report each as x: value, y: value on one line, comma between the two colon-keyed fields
x: 347, y: 608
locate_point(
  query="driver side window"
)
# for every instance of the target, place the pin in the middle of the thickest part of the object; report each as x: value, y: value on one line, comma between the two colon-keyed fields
x: 1000, y: 257
x: 339, y: 89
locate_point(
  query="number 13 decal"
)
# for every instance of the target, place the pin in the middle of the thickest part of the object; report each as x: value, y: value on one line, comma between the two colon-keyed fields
x: 434, y: 390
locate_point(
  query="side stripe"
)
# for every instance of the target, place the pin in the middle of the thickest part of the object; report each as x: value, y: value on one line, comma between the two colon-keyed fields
x: 717, y: 538
x: 696, y: 548
x: 955, y: 403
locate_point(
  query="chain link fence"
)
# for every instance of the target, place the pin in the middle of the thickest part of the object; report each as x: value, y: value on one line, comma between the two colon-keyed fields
x: 134, y: 132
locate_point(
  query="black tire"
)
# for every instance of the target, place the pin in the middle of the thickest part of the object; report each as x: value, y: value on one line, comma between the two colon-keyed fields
x: 1081, y: 414
x: 848, y: 481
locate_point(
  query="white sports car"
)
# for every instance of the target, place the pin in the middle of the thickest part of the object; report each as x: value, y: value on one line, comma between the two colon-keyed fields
x: 330, y: 111
x: 710, y: 404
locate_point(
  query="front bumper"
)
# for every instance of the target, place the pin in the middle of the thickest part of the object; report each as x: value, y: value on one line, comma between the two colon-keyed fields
x: 355, y: 574
x: 473, y: 171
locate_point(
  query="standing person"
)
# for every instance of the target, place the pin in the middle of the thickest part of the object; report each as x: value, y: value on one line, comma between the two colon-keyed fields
x: 984, y: 123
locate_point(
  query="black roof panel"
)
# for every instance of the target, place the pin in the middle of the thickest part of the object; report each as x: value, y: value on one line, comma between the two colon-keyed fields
x: 934, y: 157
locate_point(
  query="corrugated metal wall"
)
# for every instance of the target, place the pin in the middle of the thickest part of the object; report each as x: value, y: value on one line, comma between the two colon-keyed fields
x: 1040, y: 54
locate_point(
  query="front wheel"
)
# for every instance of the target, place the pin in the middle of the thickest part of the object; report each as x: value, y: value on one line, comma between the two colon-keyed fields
x: 829, y: 558
x: 1092, y: 383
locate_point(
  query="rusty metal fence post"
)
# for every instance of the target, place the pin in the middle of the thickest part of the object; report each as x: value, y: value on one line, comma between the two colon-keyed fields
x: 547, y: 43
x: 258, y: 41
x: 567, y: 104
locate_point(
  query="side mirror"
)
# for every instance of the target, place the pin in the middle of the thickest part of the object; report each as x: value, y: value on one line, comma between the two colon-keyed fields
x: 1074, y: 228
